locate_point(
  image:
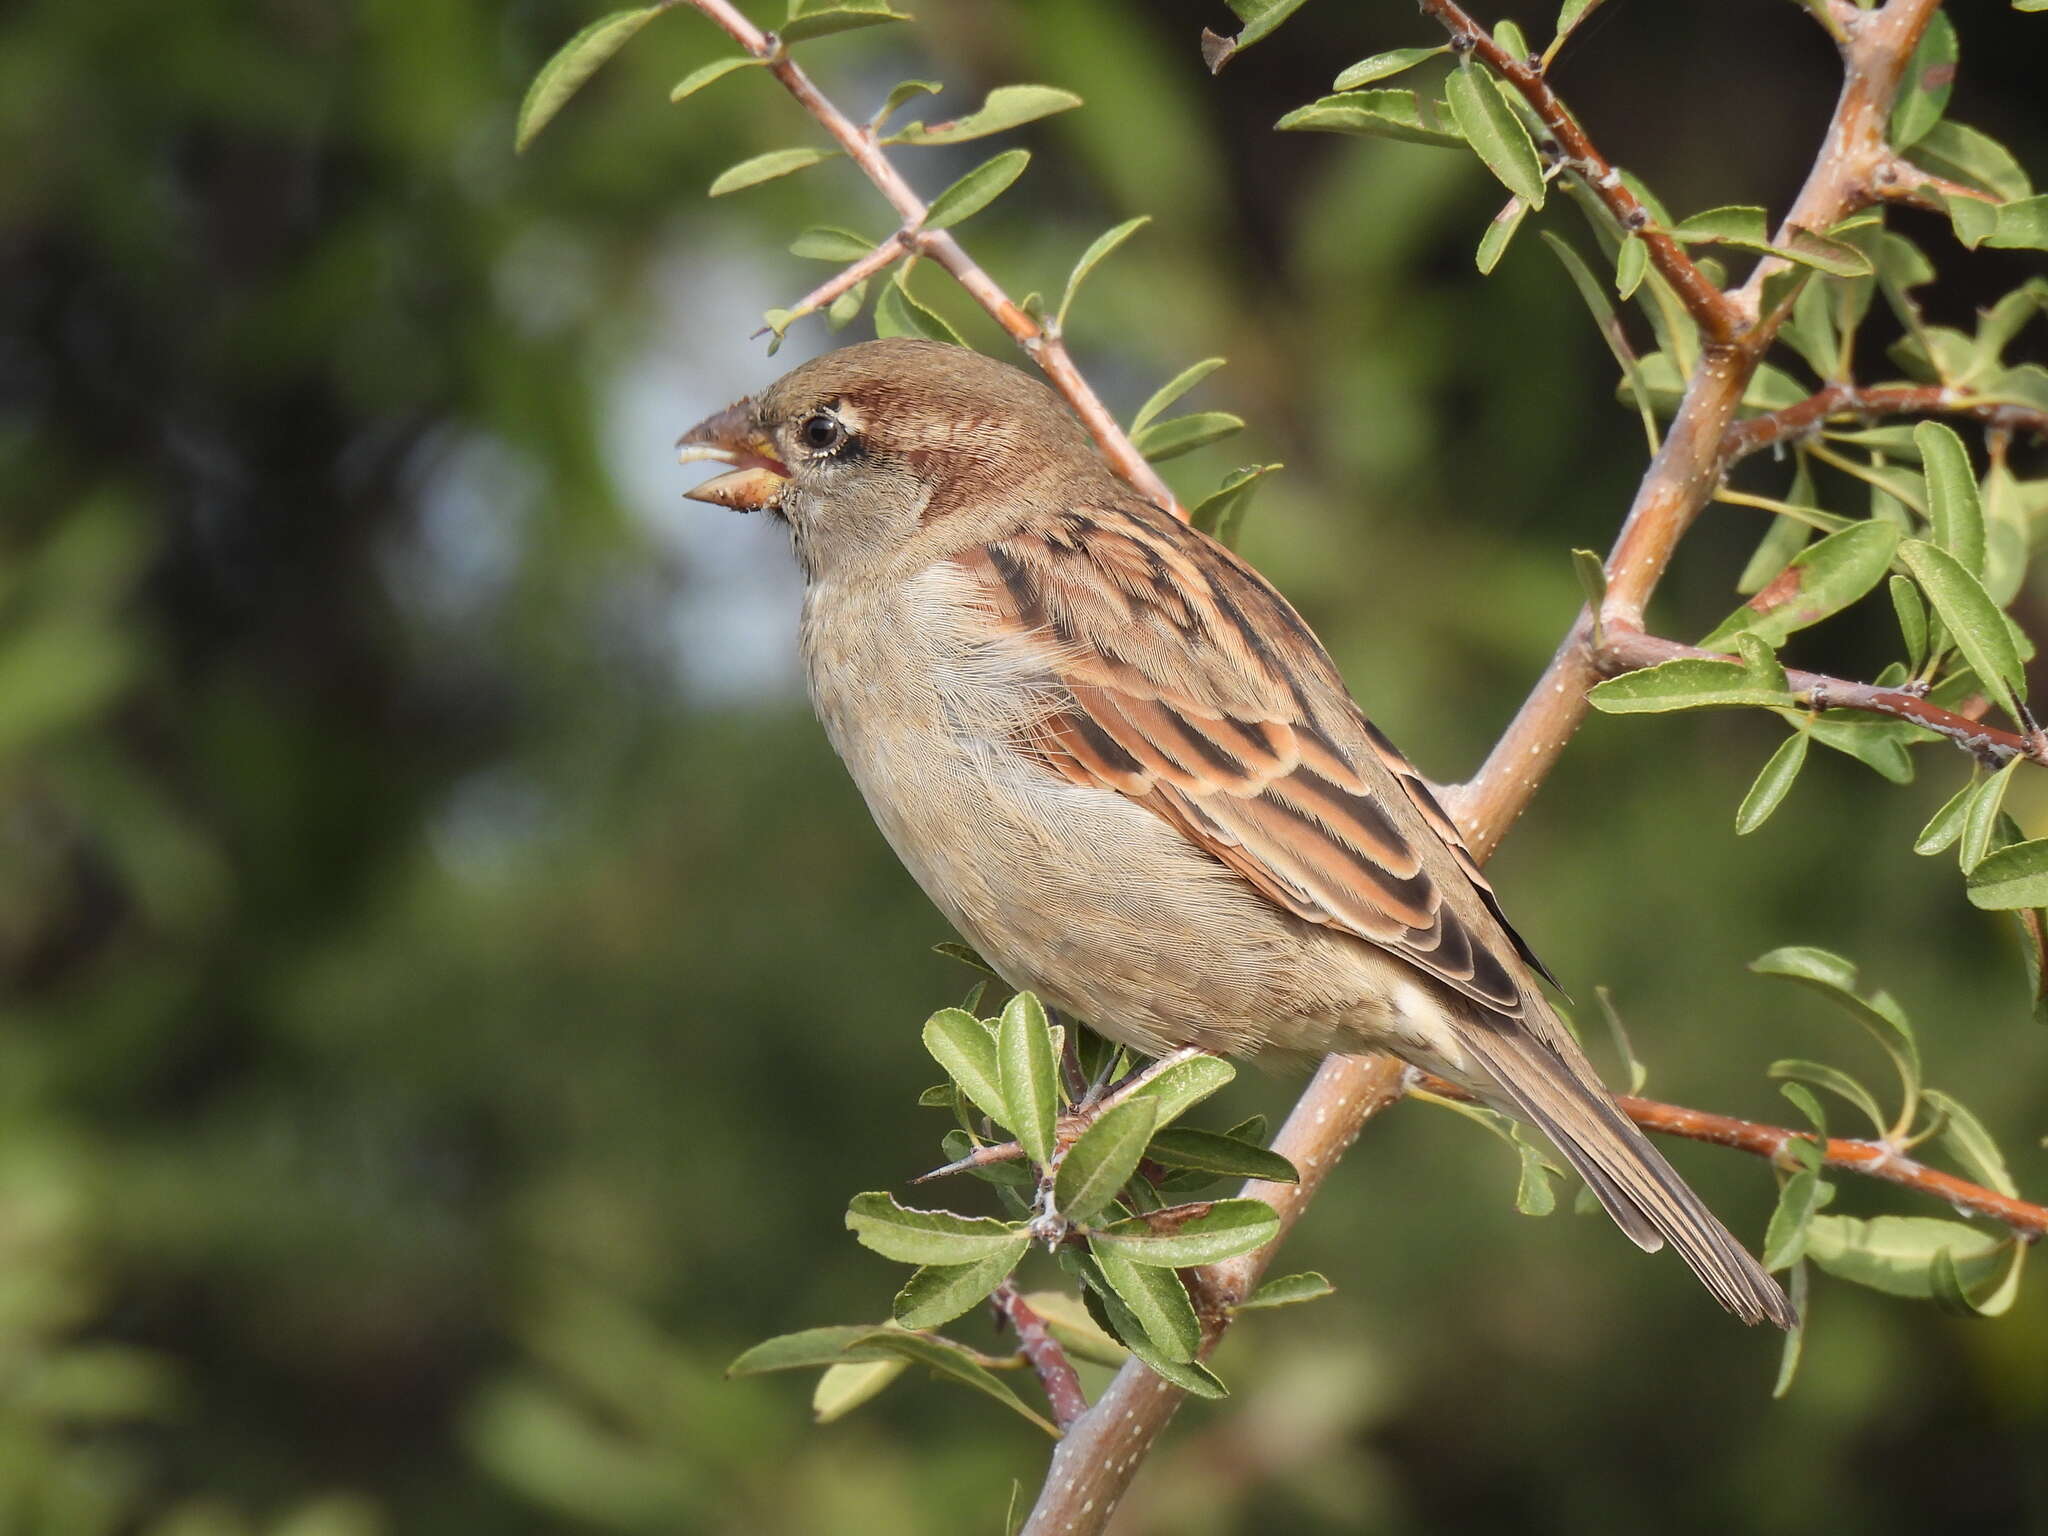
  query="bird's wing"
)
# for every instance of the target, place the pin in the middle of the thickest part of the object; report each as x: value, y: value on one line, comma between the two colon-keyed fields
x: 1177, y: 676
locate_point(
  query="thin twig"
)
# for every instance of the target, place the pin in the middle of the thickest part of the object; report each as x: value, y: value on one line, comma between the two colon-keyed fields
x: 1718, y: 319
x: 1625, y: 650
x: 1048, y: 350
x: 1898, y: 180
x: 1847, y: 400
x: 886, y: 254
x: 1056, y: 1375
x: 1872, y: 1158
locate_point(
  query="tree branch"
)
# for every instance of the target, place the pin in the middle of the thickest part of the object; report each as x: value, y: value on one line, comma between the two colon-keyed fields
x: 1055, y: 1372
x: 1096, y: 1461
x: 1718, y: 319
x: 1045, y: 348
x: 1626, y: 650
x: 1847, y: 400
x: 1872, y: 1158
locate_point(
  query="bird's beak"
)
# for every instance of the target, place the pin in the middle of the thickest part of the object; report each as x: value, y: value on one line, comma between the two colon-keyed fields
x: 757, y: 479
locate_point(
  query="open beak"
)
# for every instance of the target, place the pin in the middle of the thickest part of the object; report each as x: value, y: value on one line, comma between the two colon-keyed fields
x: 757, y: 479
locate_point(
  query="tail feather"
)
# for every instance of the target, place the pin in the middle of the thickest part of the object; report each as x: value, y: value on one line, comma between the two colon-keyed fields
x: 1642, y: 1192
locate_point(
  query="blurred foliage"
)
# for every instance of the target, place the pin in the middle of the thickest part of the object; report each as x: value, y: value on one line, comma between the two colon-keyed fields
x: 449, y: 987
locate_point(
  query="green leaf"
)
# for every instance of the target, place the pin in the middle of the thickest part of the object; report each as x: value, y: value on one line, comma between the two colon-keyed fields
x: 1006, y: 107
x: 1835, y: 1081
x: 1100, y: 247
x: 952, y: 1364
x: 1156, y: 1299
x: 1260, y: 17
x: 1611, y: 329
x: 1172, y: 390
x: 1382, y: 65
x: 1220, y: 514
x: 824, y: 242
x: 1533, y: 1194
x: 844, y: 1388
x: 846, y: 16
x: 1094, y: 1168
x: 1976, y: 159
x: 810, y: 1348
x: 1896, y: 1254
x: 1779, y: 773
x: 1982, y: 815
x: 1209, y: 1152
x: 926, y: 1237
x: 977, y: 189
x: 957, y: 951
x: 2020, y: 226
x: 1185, y: 1084
x: 1820, y: 580
x: 1288, y: 1291
x: 1835, y: 978
x: 1494, y: 243
x: 938, y: 1293
x: 1810, y: 331
x: 1688, y: 683
x: 575, y: 62
x: 1978, y: 627
x: 898, y: 314
x: 1495, y: 133
x: 961, y: 1043
x: 1957, y: 512
x: 1971, y: 1145
x: 1377, y: 114
x: 1946, y: 824
x: 1923, y: 93
x: 1203, y: 1232
x: 1912, y: 615
x: 1030, y: 1075
x: 1734, y: 225
x: 1745, y: 228
x: 1795, y: 1336
x: 1878, y: 744
x: 1809, y: 1106
x: 900, y: 93
x: 2011, y: 878
x: 1184, y: 434
x: 717, y: 69
x: 1785, y: 1239
x: 777, y: 162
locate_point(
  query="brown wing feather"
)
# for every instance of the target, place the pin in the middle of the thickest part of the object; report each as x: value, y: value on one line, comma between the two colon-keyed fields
x: 1166, y: 691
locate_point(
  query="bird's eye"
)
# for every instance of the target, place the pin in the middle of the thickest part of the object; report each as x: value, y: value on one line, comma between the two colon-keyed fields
x: 821, y: 433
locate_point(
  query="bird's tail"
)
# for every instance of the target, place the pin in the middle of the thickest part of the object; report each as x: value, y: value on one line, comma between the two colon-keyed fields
x: 1642, y: 1192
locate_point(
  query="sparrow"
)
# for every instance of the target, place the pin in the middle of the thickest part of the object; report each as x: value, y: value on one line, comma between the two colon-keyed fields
x: 1117, y: 760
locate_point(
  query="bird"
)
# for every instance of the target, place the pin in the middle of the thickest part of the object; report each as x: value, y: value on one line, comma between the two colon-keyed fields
x: 1123, y: 767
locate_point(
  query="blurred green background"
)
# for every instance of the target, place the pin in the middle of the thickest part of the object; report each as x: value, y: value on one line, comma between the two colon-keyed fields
x: 448, y: 989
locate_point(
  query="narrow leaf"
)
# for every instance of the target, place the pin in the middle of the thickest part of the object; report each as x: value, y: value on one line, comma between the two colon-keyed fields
x: 1495, y: 133
x: 961, y: 1043
x: 812, y: 1347
x: 1094, y: 1168
x: 1946, y: 824
x: 1172, y: 390
x: 1184, y: 434
x: 1820, y: 580
x: 844, y: 1388
x: 1981, y: 817
x: 977, y: 189
x: 1978, y: 627
x: 1030, y: 1075
x: 898, y: 314
x: 1923, y: 94
x: 1288, y: 1291
x: 1795, y: 1336
x: 1377, y: 114
x: 1966, y: 1140
x: 827, y: 20
x: 824, y: 242
x: 1220, y: 514
x: 1205, y: 1232
x: 1779, y: 774
x: 1207, y: 1152
x: 926, y: 1237
x: 1957, y: 511
x: 2011, y: 878
x: 1185, y: 1084
x: 1006, y: 107
x: 777, y: 162
x: 1688, y: 683
x: 1098, y: 248
x: 717, y: 69
x: 938, y: 1293
x: 1499, y: 232
x: 1382, y: 65
x: 1896, y: 1254
x: 1156, y: 1299
x: 575, y: 62
x: 1835, y: 1081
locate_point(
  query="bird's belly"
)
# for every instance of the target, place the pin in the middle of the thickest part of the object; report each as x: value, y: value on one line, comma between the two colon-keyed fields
x: 1094, y: 902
